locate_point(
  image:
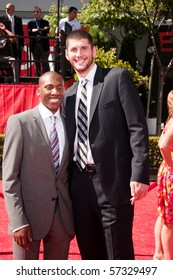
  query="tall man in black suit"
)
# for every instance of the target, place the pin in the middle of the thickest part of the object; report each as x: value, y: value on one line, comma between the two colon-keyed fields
x: 39, y: 46
x: 14, y: 24
x: 105, y: 185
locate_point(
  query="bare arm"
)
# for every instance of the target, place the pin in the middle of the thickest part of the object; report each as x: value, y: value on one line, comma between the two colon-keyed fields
x: 165, y: 142
x: 8, y: 32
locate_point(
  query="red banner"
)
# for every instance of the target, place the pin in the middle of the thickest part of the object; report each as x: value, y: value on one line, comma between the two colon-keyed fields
x: 18, y: 98
x: 15, y: 99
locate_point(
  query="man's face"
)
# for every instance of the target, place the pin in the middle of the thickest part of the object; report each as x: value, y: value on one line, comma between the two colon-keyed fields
x: 51, y: 91
x: 72, y: 15
x: 37, y: 13
x: 80, y: 55
x: 9, y: 10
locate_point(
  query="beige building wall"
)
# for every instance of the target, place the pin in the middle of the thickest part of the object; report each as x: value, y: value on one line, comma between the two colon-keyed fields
x: 24, y: 8
x: 25, y: 5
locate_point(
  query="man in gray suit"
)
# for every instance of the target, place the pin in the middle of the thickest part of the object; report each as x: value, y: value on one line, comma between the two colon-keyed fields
x: 108, y: 156
x: 36, y: 196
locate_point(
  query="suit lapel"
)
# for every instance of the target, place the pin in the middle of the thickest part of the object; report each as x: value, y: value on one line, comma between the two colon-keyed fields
x: 65, y: 151
x: 42, y: 132
x: 97, y: 87
x: 70, y: 113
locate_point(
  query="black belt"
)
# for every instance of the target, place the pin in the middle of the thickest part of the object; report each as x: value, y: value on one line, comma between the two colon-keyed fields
x: 90, y: 168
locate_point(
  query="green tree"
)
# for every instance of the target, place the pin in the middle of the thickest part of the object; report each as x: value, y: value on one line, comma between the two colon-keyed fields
x: 108, y: 59
x: 52, y: 16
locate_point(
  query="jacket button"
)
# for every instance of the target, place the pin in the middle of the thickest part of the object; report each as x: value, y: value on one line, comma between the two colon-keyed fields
x: 53, y: 199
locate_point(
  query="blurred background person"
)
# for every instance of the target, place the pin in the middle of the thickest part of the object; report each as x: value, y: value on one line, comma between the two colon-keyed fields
x: 6, y: 54
x: 70, y: 19
x: 14, y: 24
x: 38, y: 28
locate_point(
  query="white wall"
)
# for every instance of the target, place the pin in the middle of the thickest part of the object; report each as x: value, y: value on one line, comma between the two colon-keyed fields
x: 27, y: 5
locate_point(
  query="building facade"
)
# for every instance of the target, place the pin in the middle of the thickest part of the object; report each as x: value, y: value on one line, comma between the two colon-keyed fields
x: 24, y: 8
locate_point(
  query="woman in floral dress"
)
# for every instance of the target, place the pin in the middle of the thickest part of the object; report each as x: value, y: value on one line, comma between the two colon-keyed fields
x: 164, y: 223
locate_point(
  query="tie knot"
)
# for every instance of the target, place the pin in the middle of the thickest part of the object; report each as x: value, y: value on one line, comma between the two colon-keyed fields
x: 53, y: 119
x: 84, y: 82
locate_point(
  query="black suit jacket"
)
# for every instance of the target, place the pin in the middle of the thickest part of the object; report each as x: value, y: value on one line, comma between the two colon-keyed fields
x: 118, y: 132
x: 41, y: 32
x: 18, y: 27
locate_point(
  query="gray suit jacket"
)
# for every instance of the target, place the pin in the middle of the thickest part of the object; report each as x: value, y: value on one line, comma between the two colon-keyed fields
x: 30, y: 183
x: 118, y: 132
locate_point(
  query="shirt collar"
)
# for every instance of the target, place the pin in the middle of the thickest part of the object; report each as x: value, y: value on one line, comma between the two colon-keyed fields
x: 90, y: 75
x: 46, y: 113
x: 10, y: 16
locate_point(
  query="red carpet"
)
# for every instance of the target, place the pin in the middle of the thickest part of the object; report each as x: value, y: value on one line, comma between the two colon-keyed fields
x: 143, y: 230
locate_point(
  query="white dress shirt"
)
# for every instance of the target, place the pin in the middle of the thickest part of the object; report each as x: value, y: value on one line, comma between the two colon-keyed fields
x: 11, y: 18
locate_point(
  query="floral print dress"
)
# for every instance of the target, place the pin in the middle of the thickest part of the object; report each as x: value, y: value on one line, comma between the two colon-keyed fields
x: 165, y: 192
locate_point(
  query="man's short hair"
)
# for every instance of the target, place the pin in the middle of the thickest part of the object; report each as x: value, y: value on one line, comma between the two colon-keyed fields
x: 37, y: 8
x: 71, y: 9
x: 79, y: 34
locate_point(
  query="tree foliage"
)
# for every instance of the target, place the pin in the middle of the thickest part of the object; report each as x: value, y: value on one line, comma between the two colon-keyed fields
x: 135, y: 16
x: 109, y: 60
x: 108, y: 15
x: 52, y: 17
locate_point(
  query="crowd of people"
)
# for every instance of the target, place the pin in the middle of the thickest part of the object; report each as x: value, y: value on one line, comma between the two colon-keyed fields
x: 76, y: 164
x: 38, y: 30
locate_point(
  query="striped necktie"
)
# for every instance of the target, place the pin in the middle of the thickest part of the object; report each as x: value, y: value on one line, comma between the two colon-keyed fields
x: 54, y: 142
x: 82, y: 128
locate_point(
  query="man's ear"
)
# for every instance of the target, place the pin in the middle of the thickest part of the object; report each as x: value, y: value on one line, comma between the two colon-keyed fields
x: 38, y: 91
x: 94, y: 52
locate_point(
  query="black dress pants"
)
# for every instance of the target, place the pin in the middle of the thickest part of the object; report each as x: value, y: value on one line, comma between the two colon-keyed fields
x: 40, y: 59
x: 102, y: 231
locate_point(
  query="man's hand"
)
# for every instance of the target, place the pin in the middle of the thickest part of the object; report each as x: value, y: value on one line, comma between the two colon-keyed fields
x: 34, y: 29
x: 138, y: 191
x: 2, y: 26
x: 23, y: 237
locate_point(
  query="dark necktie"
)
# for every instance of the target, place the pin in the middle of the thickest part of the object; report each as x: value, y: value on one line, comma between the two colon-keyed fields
x: 82, y: 128
x: 54, y: 142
